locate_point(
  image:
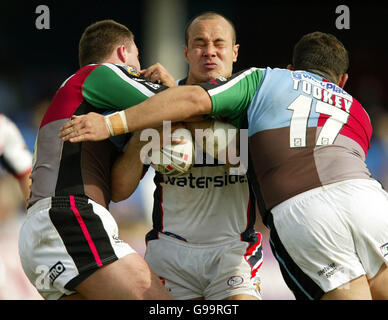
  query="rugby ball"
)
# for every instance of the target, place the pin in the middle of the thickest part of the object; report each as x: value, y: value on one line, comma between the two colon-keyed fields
x: 217, y: 140
x: 175, y: 159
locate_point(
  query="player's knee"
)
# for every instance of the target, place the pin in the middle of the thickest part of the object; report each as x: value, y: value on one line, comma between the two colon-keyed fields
x: 138, y: 269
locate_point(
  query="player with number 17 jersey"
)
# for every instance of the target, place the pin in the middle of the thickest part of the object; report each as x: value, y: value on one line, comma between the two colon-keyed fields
x: 299, y: 124
x: 308, y: 141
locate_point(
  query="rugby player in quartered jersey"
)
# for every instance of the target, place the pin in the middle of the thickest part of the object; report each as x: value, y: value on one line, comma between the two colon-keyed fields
x: 298, y: 124
x: 84, y: 169
x: 69, y: 244
x: 68, y: 228
x: 308, y: 141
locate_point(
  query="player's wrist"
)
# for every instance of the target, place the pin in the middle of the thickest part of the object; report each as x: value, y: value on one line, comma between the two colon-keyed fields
x: 117, y: 123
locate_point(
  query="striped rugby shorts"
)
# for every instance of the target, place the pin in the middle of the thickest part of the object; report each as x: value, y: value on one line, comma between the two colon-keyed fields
x: 63, y: 240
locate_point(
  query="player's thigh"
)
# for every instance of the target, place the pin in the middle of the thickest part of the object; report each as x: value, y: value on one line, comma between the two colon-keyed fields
x: 357, y: 289
x: 379, y: 284
x: 177, y: 263
x: 368, y: 219
x: 127, y: 278
x: 233, y: 271
x: 305, y: 233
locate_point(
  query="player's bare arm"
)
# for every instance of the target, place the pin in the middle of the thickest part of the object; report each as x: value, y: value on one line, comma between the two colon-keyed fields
x: 174, y: 104
x: 127, y: 170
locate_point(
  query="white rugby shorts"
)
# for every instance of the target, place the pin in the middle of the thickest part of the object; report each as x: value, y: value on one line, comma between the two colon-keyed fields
x: 328, y: 236
x: 214, y: 272
x: 64, y: 240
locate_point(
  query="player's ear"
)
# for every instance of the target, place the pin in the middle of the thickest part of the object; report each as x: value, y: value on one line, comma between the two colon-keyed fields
x: 185, y: 50
x: 342, y: 80
x: 235, y: 52
x: 122, y: 53
x: 290, y: 67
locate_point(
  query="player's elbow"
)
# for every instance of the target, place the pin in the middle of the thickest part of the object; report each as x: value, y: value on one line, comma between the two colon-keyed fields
x: 117, y: 196
x: 121, y: 193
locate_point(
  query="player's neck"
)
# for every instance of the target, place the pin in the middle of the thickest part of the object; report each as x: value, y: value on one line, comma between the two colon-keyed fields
x: 323, y: 74
x: 192, y: 80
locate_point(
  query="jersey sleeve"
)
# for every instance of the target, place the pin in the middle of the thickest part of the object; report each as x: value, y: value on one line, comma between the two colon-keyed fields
x: 14, y: 154
x: 112, y: 87
x: 232, y: 97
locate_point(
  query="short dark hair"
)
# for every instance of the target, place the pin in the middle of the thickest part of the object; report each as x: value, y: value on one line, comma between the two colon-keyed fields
x: 100, y: 38
x: 208, y: 15
x: 321, y: 51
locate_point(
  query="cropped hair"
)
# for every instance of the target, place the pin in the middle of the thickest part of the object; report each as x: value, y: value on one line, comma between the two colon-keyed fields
x: 208, y: 15
x: 100, y: 39
x: 321, y: 51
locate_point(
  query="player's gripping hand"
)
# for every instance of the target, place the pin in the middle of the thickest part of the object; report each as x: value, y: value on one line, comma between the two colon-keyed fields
x: 88, y: 127
x: 158, y: 74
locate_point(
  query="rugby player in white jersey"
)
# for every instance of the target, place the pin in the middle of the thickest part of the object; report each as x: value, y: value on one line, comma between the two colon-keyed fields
x: 203, y: 244
x: 14, y: 154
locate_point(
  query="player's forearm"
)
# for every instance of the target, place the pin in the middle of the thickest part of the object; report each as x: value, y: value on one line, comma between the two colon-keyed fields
x: 125, y: 179
x: 174, y: 104
x: 126, y: 172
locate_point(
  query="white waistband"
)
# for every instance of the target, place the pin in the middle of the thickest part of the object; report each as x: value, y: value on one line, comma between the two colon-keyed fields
x: 183, y: 243
x: 283, y: 205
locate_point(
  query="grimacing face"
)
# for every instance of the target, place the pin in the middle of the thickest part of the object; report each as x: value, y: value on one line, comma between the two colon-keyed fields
x: 210, y: 52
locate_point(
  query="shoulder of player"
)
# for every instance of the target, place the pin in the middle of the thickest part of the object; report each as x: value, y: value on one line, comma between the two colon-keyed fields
x: 247, y: 71
x: 127, y: 75
x: 110, y: 69
x: 254, y: 74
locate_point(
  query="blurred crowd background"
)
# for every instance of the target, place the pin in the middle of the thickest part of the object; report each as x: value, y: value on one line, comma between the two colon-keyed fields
x: 35, y: 62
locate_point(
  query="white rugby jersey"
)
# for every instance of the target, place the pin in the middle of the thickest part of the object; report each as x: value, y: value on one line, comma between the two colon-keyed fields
x: 14, y: 154
x: 205, y: 206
